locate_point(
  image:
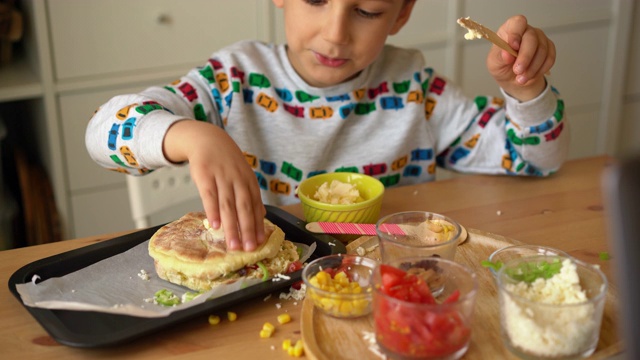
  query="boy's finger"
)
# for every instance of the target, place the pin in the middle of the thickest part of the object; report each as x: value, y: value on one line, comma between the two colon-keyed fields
x: 259, y: 213
x: 246, y: 218
x: 527, y: 52
x: 211, y: 208
x: 229, y: 219
x: 514, y: 29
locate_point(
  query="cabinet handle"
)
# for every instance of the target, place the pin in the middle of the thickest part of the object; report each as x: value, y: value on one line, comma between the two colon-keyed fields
x: 165, y: 19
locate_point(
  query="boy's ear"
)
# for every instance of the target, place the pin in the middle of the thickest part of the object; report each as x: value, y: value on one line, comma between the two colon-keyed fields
x: 403, y: 17
x: 278, y: 3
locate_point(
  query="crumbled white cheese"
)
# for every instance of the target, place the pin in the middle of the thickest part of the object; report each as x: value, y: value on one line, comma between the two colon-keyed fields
x: 337, y: 192
x: 545, y: 330
x: 498, y: 212
x: 294, y: 294
x: 282, y: 276
x: 143, y: 275
x: 472, y: 34
x: 278, y: 306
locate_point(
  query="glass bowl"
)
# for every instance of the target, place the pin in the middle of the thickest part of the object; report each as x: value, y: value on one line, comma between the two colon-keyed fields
x: 340, y: 285
x: 551, y: 307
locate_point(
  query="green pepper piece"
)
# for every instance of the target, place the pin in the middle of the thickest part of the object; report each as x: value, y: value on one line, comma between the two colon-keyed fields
x: 165, y: 297
x: 493, y: 265
x: 265, y: 271
x: 188, y: 296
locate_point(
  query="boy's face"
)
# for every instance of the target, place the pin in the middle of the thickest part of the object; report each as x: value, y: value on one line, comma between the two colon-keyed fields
x: 331, y: 41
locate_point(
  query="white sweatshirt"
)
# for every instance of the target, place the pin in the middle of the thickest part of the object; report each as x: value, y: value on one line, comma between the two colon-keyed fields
x: 395, y: 121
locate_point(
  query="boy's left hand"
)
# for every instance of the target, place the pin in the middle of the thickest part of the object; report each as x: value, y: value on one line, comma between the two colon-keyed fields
x: 522, y: 77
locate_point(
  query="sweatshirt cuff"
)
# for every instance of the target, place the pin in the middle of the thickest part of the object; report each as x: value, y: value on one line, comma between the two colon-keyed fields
x: 531, y: 112
x: 155, y: 127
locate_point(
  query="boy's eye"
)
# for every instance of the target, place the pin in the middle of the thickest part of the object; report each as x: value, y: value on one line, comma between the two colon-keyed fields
x: 361, y: 12
x: 315, y: 2
x: 368, y: 14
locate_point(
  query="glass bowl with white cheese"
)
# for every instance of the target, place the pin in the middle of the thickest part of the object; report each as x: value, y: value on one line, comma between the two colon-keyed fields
x: 551, y: 307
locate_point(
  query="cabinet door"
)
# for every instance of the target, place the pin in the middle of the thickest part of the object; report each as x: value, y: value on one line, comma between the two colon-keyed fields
x: 98, y: 37
x: 101, y: 212
x: 107, y: 210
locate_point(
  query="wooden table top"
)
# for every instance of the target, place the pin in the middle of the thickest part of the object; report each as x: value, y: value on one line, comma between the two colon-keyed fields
x: 563, y: 211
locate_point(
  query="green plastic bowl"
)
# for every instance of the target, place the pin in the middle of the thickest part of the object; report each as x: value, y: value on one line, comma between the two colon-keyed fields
x: 366, y: 212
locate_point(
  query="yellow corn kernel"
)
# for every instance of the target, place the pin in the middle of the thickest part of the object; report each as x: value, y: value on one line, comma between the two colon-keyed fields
x: 346, y: 307
x: 214, y: 319
x: 286, y: 344
x: 323, y: 277
x: 298, y: 349
x: 264, y: 333
x: 232, y: 316
x: 327, y: 304
x: 284, y: 318
x: 268, y: 326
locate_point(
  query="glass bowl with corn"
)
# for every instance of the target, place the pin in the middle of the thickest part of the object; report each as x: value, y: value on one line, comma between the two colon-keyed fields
x: 340, y: 285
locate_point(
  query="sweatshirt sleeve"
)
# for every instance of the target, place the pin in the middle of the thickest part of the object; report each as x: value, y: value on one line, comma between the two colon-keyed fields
x: 498, y: 135
x: 126, y: 133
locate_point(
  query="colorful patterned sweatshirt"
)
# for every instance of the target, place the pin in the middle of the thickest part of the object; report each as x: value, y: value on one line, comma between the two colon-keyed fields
x: 397, y: 120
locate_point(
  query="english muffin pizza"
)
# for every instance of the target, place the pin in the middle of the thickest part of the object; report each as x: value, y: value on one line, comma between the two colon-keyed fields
x: 189, y: 253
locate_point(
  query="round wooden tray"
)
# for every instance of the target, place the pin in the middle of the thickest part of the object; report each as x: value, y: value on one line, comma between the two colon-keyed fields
x: 335, y: 339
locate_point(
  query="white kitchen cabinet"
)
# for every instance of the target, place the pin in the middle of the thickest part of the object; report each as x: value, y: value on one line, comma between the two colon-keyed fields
x: 78, y: 53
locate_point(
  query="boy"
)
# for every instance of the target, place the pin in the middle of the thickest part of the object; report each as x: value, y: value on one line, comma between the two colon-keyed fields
x: 257, y: 118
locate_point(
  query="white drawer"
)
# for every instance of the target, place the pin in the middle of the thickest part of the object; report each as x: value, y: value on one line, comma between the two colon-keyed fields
x: 98, y: 37
x: 101, y: 212
x: 107, y: 211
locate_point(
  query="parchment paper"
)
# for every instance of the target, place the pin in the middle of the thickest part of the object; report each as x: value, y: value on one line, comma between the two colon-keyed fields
x: 114, y: 285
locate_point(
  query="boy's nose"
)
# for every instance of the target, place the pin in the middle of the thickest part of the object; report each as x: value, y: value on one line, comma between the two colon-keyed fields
x: 336, y: 27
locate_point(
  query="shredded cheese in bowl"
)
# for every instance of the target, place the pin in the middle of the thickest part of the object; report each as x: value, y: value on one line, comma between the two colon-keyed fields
x: 338, y: 192
x: 553, y: 317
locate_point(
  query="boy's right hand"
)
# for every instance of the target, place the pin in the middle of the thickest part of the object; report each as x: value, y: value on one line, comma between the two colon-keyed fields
x: 227, y: 185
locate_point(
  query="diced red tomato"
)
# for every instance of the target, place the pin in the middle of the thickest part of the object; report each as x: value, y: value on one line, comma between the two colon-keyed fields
x: 294, y: 266
x: 330, y: 271
x: 434, y: 330
x: 453, y: 297
x: 297, y: 285
x: 400, y: 285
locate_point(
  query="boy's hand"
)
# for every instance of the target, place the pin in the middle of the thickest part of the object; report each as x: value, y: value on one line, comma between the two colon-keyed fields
x: 522, y: 77
x: 227, y: 185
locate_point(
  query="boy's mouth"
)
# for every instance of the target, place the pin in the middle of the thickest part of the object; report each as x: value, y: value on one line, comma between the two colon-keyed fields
x: 327, y: 61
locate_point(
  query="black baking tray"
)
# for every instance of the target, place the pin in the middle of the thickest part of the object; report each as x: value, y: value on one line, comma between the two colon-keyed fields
x: 89, y: 329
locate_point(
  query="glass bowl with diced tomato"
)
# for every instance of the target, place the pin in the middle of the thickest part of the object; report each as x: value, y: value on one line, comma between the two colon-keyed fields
x: 340, y: 285
x: 422, y: 307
